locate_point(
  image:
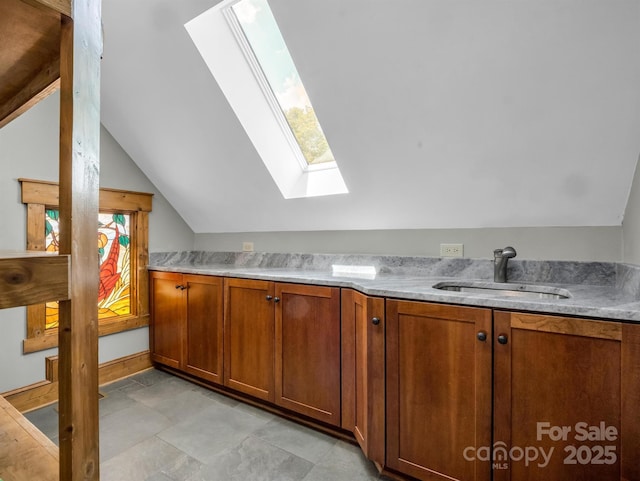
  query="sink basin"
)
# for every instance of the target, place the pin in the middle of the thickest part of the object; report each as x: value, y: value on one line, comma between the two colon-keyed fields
x: 527, y: 291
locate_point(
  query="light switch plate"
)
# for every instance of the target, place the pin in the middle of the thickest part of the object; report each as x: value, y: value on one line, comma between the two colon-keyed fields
x: 247, y: 247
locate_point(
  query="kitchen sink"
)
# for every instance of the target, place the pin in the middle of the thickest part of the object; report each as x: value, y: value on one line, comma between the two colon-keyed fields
x: 527, y: 291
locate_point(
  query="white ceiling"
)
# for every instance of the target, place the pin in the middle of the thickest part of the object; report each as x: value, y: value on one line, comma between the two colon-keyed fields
x: 441, y: 113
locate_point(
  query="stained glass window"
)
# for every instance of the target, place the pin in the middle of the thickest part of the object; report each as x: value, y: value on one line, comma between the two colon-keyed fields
x: 113, y: 245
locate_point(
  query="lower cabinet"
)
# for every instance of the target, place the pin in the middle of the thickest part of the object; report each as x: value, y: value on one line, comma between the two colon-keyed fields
x: 519, y: 397
x: 282, y: 344
x: 567, y: 393
x: 363, y: 368
x: 429, y: 390
x: 438, y: 386
x: 307, y: 350
x: 186, y: 327
x: 167, y: 318
x: 249, y: 337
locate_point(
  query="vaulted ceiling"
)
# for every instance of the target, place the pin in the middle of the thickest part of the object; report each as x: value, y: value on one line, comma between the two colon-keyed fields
x: 440, y: 113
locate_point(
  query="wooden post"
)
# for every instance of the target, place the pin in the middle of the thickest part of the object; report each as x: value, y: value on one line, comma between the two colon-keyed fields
x: 81, y: 47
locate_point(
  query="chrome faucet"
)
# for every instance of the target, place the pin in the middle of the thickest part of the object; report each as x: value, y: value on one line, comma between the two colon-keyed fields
x: 500, y: 259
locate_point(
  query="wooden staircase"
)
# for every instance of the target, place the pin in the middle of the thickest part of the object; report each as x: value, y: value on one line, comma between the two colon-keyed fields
x: 46, y: 45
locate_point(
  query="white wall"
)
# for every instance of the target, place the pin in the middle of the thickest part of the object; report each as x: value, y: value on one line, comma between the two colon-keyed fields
x: 631, y: 223
x: 557, y: 243
x: 441, y: 114
x: 29, y: 148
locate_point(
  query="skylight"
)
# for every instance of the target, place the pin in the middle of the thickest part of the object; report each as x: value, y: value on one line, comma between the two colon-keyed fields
x: 280, y: 73
x: 243, y: 47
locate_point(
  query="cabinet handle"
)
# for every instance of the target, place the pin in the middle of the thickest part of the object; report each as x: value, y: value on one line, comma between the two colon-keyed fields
x: 375, y: 321
x: 276, y: 299
x: 503, y: 339
x: 482, y: 336
x: 269, y: 298
x: 178, y: 286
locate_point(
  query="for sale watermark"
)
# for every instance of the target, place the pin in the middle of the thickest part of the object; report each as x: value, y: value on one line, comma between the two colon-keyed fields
x: 600, y: 450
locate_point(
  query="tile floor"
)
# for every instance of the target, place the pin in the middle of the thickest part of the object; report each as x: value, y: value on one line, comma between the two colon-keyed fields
x: 157, y: 427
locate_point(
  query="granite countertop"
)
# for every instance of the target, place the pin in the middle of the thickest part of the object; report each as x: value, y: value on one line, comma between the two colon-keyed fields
x: 598, y: 290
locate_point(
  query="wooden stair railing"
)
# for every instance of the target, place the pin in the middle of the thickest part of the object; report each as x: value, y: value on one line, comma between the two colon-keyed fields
x: 45, y: 44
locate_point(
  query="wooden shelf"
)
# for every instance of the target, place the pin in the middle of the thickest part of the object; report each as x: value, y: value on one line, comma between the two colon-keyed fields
x: 30, y: 60
x: 25, y: 453
x: 31, y: 277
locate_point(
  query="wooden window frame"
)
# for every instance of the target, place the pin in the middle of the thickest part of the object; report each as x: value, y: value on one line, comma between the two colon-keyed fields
x: 42, y: 195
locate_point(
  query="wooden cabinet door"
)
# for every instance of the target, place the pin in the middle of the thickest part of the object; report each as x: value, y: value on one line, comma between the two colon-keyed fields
x: 363, y: 383
x: 249, y: 337
x: 307, y: 357
x: 557, y: 378
x: 167, y: 318
x: 438, y: 390
x: 204, y: 322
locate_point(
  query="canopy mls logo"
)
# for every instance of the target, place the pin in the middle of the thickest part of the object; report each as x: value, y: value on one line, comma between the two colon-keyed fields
x: 602, y: 453
x: 500, y: 456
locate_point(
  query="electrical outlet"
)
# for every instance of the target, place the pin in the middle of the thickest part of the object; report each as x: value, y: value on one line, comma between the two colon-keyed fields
x: 451, y: 250
x: 247, y: 247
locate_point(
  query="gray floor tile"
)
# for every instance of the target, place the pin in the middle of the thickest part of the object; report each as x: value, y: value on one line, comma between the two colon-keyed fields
x: 221, y: 398
x: 157, y: 427
x: 160, y: 391
x: 45, y: 419
x: 343, y: 461
x: 123, y: 429
x: 133, y: 387
x: 114, y: 401
x: 152, y: 376
x: 299, y: 440
x: 184, y: 405
x: 214, y: 429
x: 254, y: 460
x: 159, y: 477
x: 254, y: 411
x: 140, y: 461
x: 182, y: 468
x: 117, y: 385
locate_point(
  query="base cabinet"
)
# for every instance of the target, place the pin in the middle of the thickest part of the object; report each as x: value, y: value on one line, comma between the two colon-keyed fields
x: 522, y: 397
x: 167, y: 318
x: 567, y: 392
x: 429, y: 390
x: 307, y: 351
x: 363, y: 368
x: 186, y: 327
x: 203, y: 355
x: 438, y: 386
x: 249, y: 337
x: 282, y: 344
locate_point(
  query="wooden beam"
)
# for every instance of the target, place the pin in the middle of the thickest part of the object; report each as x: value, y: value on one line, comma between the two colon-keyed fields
x: 58, y: 6
x: 81, y: 48
x: 46, y: 193
x: 32, y: 277
x: 47, y: 82
x: 29, y: 57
